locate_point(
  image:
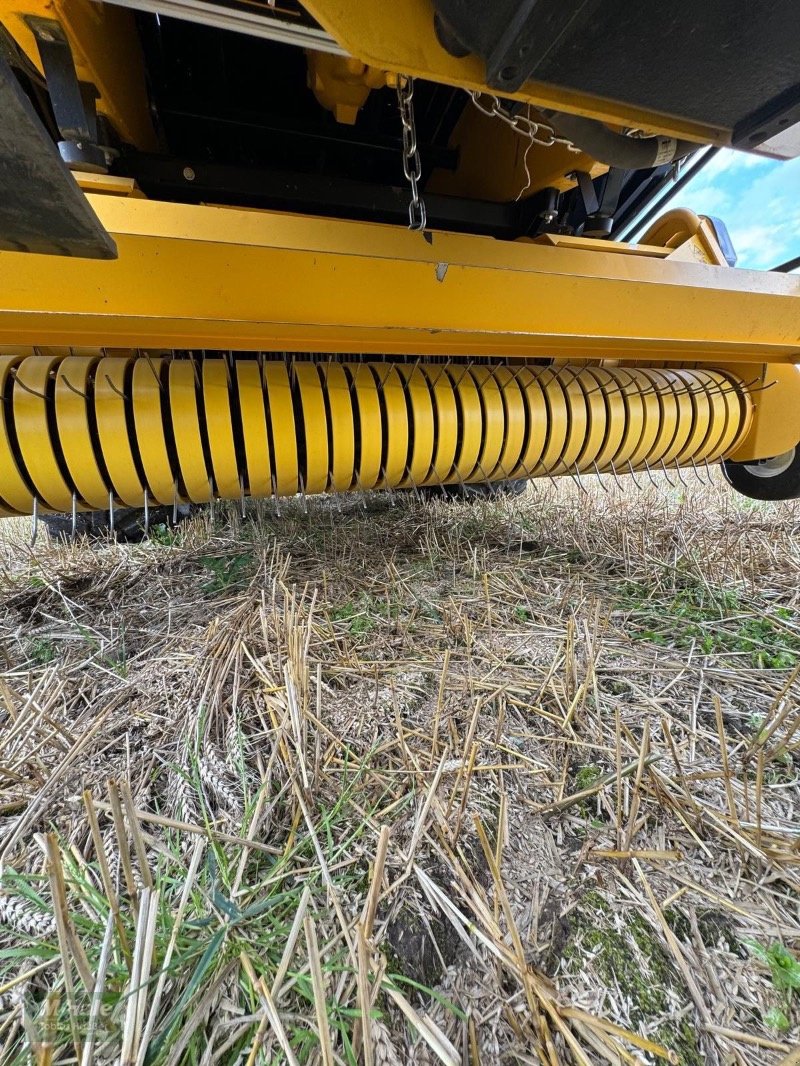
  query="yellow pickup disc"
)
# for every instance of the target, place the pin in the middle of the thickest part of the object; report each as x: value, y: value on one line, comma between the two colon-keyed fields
x: 395, y: 425
x: 493, y: 425
x: 536, y: 423
x: 31, y: 387
x: 652, y: 422
x: 15, y: 495
x: 370, y: 430
x: 342, y: 430
x: 254, y: 428
x: 471, y: 424
x: 147, y: 385
x: 446, y: 425
x: 685, y: 419
x: 186, y: 429
x: 283, y: 430
x: 596, y: 418
x: 112, y: 429
x: 418, y: 396
x: 217, y: 405
x: 315, y: 427
x: 740, y: 415
x: 72, y: 402
x: 557, y: 423
x: 515, y: 421
x: 634, y: 412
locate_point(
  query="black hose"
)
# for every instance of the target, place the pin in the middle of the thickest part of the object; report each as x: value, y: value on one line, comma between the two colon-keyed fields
x: 616, y: 150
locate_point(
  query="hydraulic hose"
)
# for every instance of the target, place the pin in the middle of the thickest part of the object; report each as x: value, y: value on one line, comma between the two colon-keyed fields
x: 616, y: 150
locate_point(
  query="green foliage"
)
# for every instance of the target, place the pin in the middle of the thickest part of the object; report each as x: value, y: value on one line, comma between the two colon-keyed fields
x: 784, y: 970
x: 227, y: 571
x: 713, y: 619
x: 41, y: 650
x: 522, y: 614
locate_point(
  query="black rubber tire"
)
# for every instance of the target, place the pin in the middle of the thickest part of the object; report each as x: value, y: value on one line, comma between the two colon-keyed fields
x: 767, y: 479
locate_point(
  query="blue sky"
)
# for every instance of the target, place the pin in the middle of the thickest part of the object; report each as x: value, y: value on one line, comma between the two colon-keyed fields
x: 758, y: 199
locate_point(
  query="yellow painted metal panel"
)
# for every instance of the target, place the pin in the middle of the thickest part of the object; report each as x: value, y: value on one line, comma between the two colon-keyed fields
x: 315, y: 427
x: 192, y: 277
x: 183, y: 384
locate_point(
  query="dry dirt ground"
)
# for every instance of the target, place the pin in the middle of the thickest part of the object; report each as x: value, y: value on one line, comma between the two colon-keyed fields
x: 508, y: 781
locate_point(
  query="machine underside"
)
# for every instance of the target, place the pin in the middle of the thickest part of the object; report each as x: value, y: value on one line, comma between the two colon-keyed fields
x: 256, y: 250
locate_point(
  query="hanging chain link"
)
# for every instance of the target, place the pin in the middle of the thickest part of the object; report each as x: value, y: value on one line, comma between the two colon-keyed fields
x: 536, y: 132
x: 412, y: 165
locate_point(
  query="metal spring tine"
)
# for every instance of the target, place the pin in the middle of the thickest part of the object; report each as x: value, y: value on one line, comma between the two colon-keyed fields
x: 653, y: 482
x: 696, y: 471
x: 27, y: 388
x: 577, y: 480
x: 620, y: 486
x: 114, y: 388
x: 708, y: 469
x: 175, y: 504
x: 633, y: 475
x: 666, y: 475
x: 146, y: 512
x: 74, y: 515
x: 680, y: 474
x: 604, y: 487
x: 71, y: 387
x: 111, y: 511
x: 389, y: 489
x: 155, y: 373
x: 212, y: 501
x: 302, y: 494
x: 761, y: 388
x: 275, y: 495
x: 242, y: 503
x: 35, y: 520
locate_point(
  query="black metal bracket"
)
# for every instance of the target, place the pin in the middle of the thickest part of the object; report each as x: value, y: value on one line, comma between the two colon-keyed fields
x: 73, y: 101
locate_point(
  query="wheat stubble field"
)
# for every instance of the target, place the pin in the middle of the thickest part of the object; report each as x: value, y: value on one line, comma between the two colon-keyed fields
x: 507, y: 781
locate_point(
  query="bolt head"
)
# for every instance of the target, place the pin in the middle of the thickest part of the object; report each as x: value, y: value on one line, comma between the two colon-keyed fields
x: 189, y: 174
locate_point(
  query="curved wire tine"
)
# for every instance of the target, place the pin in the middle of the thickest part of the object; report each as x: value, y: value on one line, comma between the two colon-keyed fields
x: 146, y: 512
x: 111, y: 524
x: 666, y: 475
x: 633, y: 475
x: 175, y: 504
x: 154, y: 372
x: 620, y: 486
x: 388, y: 487
x: 71, y: 387
x: 696, y: 471
x: 275, y: 494
x: 242, y: 497
x: 653, y: 482
x: 114, y: 388
x: 302, y: 494
x: 35, y: 520
x: 27, y: 388
x: 708, y: 469
x: 579, y: 481
x: 597, y: 475
x: 680, y: 474
x: 762, y: 388
x: 74, y: 515
x: 211, y: 500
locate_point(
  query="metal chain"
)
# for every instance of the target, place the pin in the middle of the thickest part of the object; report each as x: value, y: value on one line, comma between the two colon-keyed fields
x: 537, y: 132
x: 412, y: 166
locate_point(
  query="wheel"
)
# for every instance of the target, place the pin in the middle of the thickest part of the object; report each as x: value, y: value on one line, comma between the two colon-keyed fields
x: 777, y: 478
